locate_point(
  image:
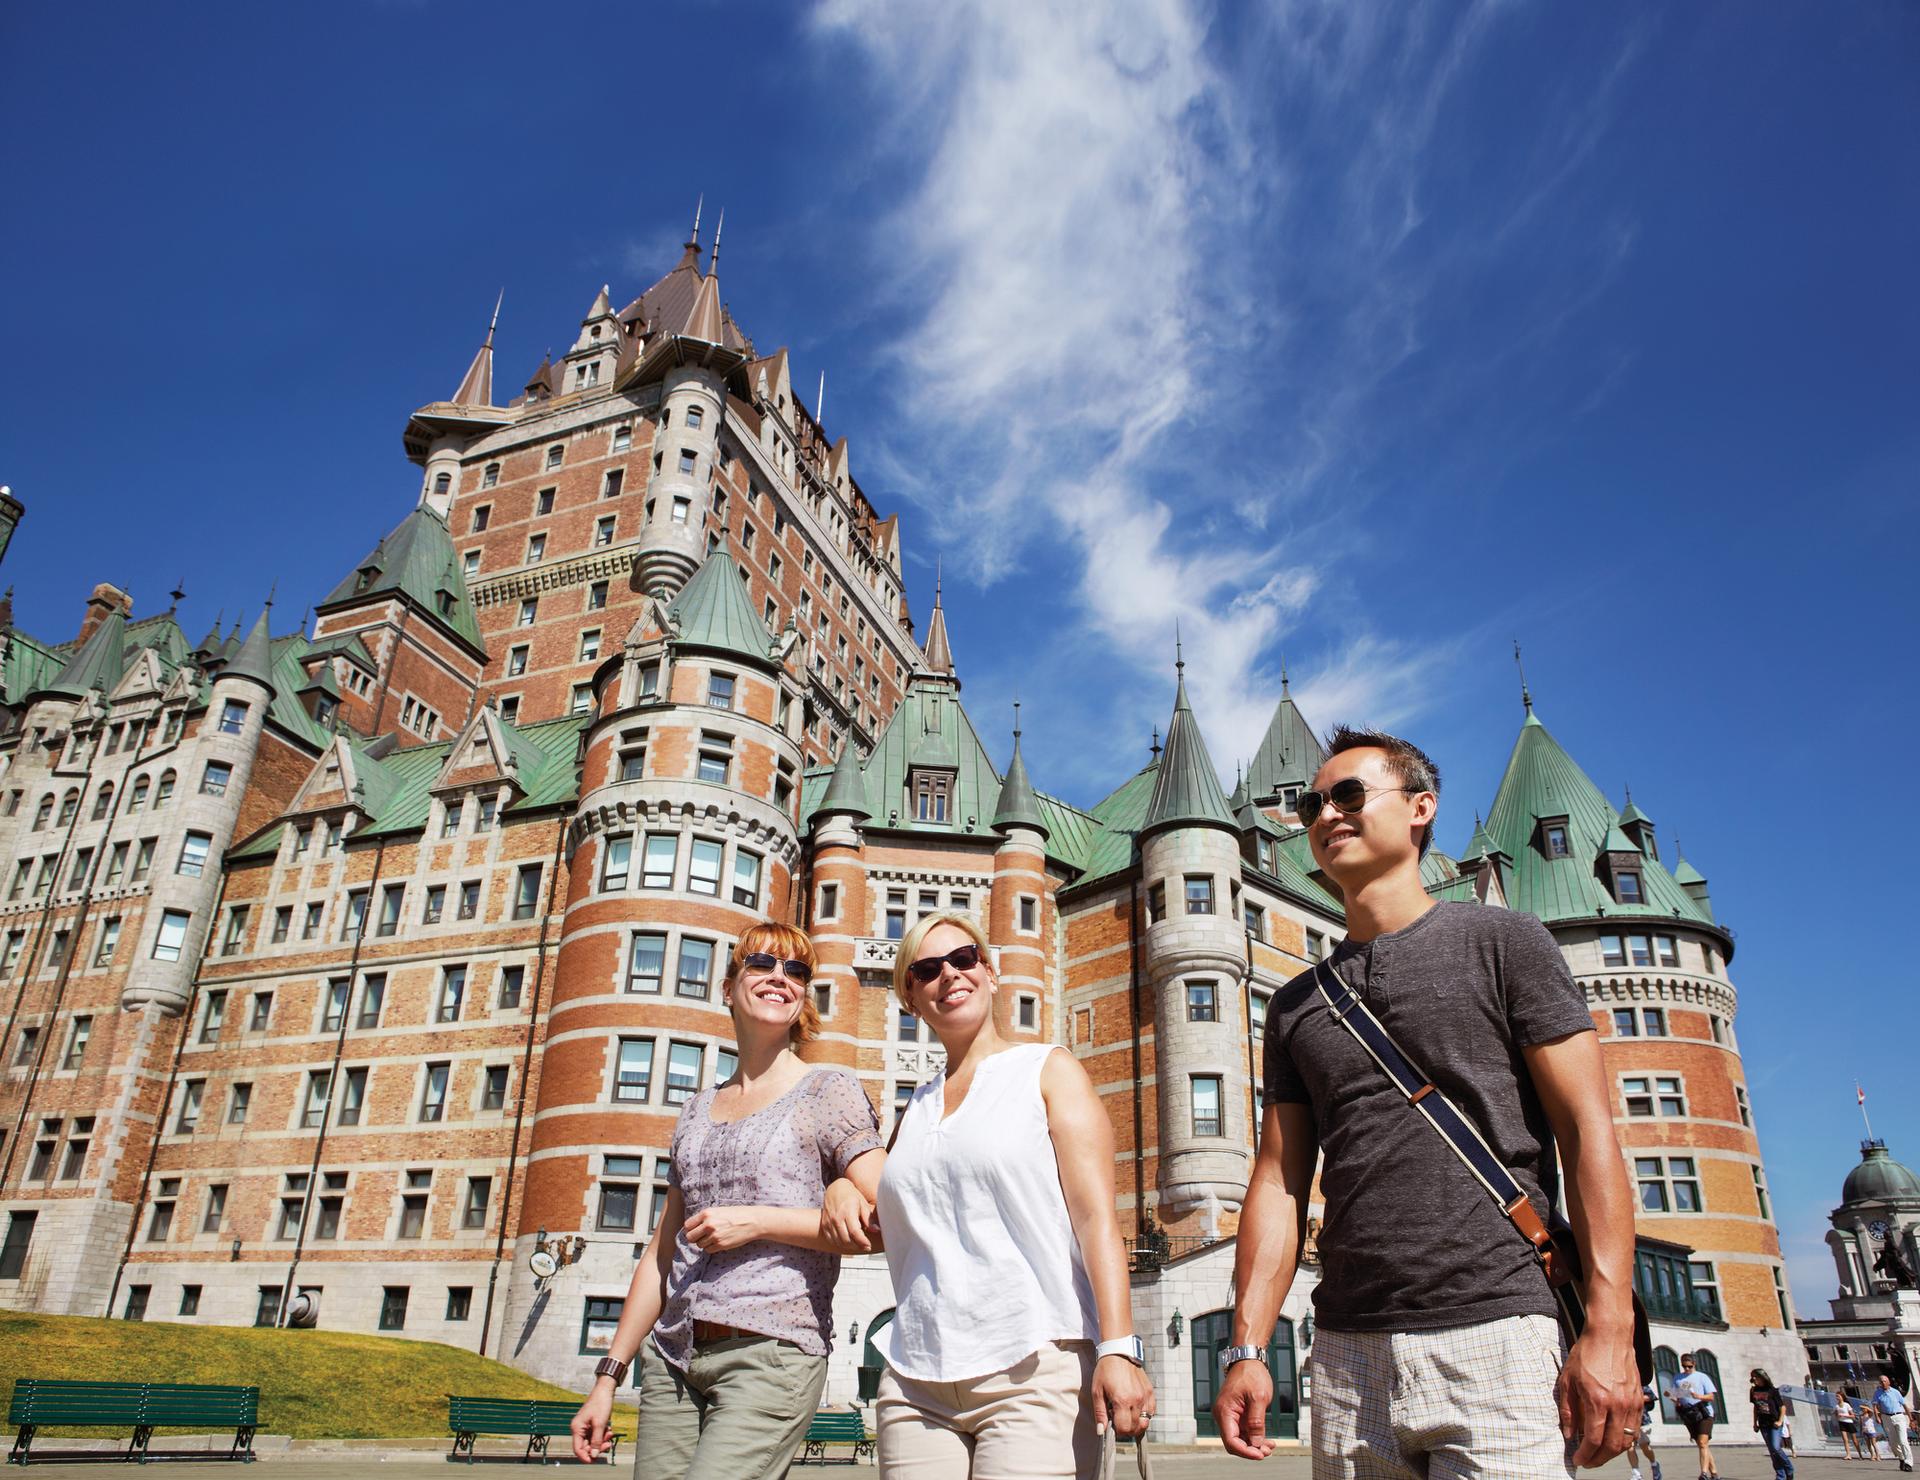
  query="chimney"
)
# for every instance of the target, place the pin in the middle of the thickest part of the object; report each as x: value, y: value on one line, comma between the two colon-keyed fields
x: 104, y: 600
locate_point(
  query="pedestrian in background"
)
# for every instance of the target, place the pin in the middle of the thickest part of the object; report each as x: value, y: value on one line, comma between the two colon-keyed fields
x: 1893, y: 1413
x: 1693, y: 1394
x: 1769, y: 1421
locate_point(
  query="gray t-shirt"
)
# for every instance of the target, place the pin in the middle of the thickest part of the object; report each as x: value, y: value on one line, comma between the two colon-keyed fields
x: 1411, y: 1241
x: 783, y: 1155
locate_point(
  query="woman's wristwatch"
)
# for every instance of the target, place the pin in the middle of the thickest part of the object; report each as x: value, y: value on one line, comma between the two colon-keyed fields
x: 1233, y: 1354
x: 1130, y: 1347
x: 611, y: 1367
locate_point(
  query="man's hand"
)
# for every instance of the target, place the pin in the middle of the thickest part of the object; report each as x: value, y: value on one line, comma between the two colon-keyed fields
x: 1598, y: 1393
x: 592, y: 1426
x: 718, y: 1229
x: 1122, y: 1395
x: 843, y: 1216
x: 1240, y: 1410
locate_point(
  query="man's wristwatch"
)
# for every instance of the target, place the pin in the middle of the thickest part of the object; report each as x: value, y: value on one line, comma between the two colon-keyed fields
x: 611, y: 1367
x: 1234, y: 1354
x: 1130, y: 1347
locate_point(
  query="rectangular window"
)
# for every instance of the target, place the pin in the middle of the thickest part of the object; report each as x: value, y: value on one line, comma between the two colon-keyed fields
x: 213, y: 780
x: 1626, y: 1023
x: 1201, y: 1004
x: 662, y: 855
x: 356, y: 915
x: 1026, y: 1012
x: 313, y: 1113
x: 907, y: 1028
x: 1627, y: 886
x: 696, y: 967
x: 581, y: 701
x: 453, y: 990
x: 1668, y: 949
x: 116, y: 863
x: 615, y: 860
x: 746, y: 879
x: 1613, y: 951
x: 216, y: 1208
x: 473, y: 1213
x: 632, y: 764
x: 235, y: 934
x: 261, y: 1010
x: 391, y: 899
x: 720, y: 690
x: 619, y: 1194
x: 433, y: 1093
x: 683, y: 1072
x: 703, y: 872
x: 239, y: 1100
x: 1199, y: 894
x: 633, y: 1076
x: 1554, y: 836
x: 589, y: 644
x: 393, y: 1307
x: 171, y: 938
x: 1654, y: 1020
x: 598, y: 1322
x: 1740, y: 1101
x: 716, y: 757
x: 450, y: 819
x: 597, y: 596
x: 829, y: 902
x: 373, y: 993
x: 13, y: 1252
x: 469, y: 906
x: 896, y: 913
x: 603, y: 528
x: 526, y: 891
x: 333, y: 1009
x: 511, y: 980
x: 80, y: 1031
x: 212, y: 1016
x: 282, y: 923
x: 233, y: 717
x: 517, y: 660
x: 647, y: 962
x: 529, y: 611
x: 1206, y: 1105
x: 436, y: 901
x: 1760, y: 1193
x: 353, y: 1095
x: 1256, y: 920
x: 188, y: 1119
x: 1156, y: 903
x: 1640, y: 949
x: 493, y: 1087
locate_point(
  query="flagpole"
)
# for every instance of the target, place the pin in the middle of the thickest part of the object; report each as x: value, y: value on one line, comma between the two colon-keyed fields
x: 1861, y: 1095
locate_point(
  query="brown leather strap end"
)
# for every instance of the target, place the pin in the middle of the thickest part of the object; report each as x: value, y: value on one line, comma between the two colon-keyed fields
x: 1520, y: 1212
x: 1420, y: 1094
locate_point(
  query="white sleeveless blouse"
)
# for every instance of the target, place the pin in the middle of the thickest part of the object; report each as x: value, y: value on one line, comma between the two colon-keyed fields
x: 985, y: 1264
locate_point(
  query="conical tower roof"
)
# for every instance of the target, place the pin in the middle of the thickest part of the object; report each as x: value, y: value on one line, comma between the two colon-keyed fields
x: 712, y: 611
x: 255, y: 658
x: 1481, y: 845
x: 706, y: 321
x: 1685, y: 873
x: 1632, y: 813
x: 846, y: 793
x: 476, y: 386
x: 210, y: 644
x: 416, y: 561
x: 99, y: 663
x: 938, y: 649
x: 1186, y: 788
x: 1019, y: 805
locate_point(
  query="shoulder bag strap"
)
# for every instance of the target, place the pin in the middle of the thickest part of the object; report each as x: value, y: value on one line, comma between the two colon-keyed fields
x: 1455, y: 1129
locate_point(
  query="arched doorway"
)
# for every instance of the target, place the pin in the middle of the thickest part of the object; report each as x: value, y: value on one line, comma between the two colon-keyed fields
x: 1212, y: 1334
x: 872, y: 1364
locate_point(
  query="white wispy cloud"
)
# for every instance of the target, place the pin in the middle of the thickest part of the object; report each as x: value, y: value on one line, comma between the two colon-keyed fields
x: 1157, y: 264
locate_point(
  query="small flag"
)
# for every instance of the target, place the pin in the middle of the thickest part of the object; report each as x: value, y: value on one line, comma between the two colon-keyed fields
x: 1860, y: 1095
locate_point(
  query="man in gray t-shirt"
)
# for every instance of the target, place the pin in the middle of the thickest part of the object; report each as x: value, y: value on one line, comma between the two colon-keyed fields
x: 1438, y: 1349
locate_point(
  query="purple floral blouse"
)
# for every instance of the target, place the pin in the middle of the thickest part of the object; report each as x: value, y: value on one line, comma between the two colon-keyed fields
x: 781, y: 1156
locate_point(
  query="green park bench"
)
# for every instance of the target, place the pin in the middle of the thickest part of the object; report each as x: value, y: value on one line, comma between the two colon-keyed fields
x: 142, y: 1406
x: 838, y: 1427
x: 539, y: 1421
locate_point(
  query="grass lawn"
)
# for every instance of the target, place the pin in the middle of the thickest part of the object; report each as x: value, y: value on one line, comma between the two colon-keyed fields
x: 313, y: 1384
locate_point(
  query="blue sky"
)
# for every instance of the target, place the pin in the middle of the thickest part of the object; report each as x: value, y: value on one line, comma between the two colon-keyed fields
x: 1373, y: 336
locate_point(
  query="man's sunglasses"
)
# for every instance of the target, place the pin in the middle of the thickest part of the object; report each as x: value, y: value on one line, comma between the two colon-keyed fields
x: 1349, y: 796
x: 765, y: 961
x: 927, y: 968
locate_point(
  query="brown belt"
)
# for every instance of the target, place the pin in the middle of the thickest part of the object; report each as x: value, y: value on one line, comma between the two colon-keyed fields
x: 714, y: 1331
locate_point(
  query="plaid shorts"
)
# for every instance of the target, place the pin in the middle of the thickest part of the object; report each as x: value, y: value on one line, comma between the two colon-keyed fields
x: 1432, y: 1405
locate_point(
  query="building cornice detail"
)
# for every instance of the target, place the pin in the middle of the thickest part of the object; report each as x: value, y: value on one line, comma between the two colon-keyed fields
x: 613, y: 813
x: 1692, y: 991
x: 533, y: 579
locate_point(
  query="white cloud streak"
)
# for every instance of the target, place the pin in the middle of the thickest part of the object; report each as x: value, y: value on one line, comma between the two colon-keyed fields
x: 1146, y: 335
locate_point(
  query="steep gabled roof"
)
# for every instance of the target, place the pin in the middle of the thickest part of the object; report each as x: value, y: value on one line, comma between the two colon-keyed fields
x: 416, y: 561
x: 712, y: 612
x: 1289, y: 752
x: 930, y: 729
x: 254, y: 660
x: 98, y: 664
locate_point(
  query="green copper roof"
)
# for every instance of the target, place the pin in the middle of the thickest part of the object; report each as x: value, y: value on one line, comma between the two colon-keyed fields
x: 1119, y: 818
x: 417, y: 561
x: 1481, y: 845
x: 255, y: 658
x: 1018, y: 806
x: 1685, y: 873
x: 1618, y: 842
x: 1632, y: 813
x: 846, y: 792
x: 713, y: 612
x: 1542, y: 780
x: 1186, y: 788
x: 29, y: 666
x: 1458, y: 890
x: 1289, y: 753
x: 930, y: 729
x: 99, y: 664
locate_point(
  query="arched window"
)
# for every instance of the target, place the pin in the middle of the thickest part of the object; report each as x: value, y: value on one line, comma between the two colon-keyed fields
x: 103, y: 801
x: 1666, y: 1367
x: 442, y: 482
x: 164, y: 790
x: 1705, y: 1361
x: 69, y: 804
x: 44, y: 814
x: 139, y: 798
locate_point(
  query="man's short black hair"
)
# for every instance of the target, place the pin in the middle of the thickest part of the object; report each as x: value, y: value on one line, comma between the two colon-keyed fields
x: 1407, y: 761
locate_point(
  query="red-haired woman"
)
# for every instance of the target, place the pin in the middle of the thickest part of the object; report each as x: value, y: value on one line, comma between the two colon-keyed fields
x: 736, y: 1285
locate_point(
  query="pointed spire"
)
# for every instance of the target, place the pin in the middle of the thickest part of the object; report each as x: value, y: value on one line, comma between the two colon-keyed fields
x: 1019, y: 804
x: 690, y: 253
x: 476, y: 386
x: 210, y: 644
x: 846, y: 793
x: 1526, y: 698
x: 713, y: 263
x: 1153, y: 745
x: 99, y: 663
x: 1187, y: 788
x: 938, y: 650
x: 1283, y: 675
x: 255, y: 658
x: 602, y: 302
x: 705, y: 321
x: 820, y: 402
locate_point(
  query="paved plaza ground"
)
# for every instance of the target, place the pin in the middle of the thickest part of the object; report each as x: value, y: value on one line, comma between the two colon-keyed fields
x: 317, y: 1462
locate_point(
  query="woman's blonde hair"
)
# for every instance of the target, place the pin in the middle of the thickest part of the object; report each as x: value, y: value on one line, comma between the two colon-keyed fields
x: 785, y: 942
x: 910, y: 950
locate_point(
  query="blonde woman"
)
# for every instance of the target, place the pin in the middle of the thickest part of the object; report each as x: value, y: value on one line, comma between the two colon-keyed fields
x: 1012, y: 1345
x: 736, y: 1286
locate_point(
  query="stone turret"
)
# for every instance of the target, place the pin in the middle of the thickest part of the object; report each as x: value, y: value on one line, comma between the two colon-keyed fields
x: 1196, y: 961
x: 1019, y: 918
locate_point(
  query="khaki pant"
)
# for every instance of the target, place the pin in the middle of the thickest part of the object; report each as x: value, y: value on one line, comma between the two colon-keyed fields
x: 1468, y: 1401
x: 739, y: 1412
x: 1031, y: 1421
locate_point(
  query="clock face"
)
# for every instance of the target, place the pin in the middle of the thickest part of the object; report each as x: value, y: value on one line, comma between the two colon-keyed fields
x: 1878, y: 1228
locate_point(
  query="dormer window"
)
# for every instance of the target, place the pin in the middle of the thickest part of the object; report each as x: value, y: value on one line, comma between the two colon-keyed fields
x: 931, y: 794
x: 1626, y: 887
x: 444, y: 600
x: 1554, y: 837
x: 365, y: 579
